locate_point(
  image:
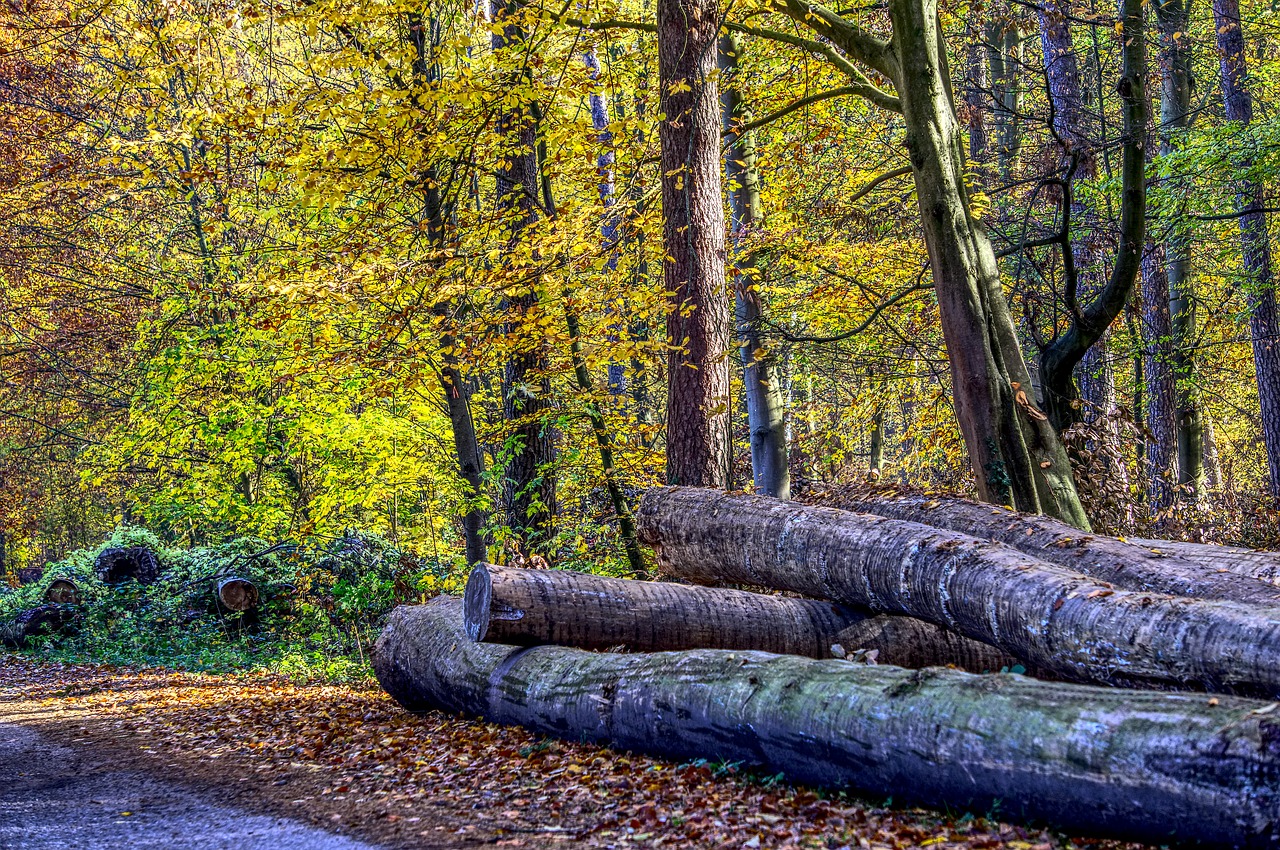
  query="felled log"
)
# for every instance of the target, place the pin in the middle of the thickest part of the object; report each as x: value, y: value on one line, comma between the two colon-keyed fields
x: 1055, y: 619
x: 1149, y: 565
x: 62, y: 591
x: 1255, y: 563
x: 1142, y: 765
x: 38, y: 622
x: 531, y: 607
x: 237, y: 595
x: 116, y: 565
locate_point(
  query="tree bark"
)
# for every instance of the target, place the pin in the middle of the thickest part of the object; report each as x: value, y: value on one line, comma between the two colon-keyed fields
x: 1014, y: 452
x: 1255, y: 240
x: 698, y: 440
x: 1255, y: 563
x: 1130, y: 564
x: 139, y: 563
x: 1055, y: 619
x: 766, y: 416
x: 531, y: 607
x: 1161, y: 412
x: 1125, y: 764
x: 526, y: 385
x: 977, y: 89
x: 39, y: 622
x: 1175, y: 117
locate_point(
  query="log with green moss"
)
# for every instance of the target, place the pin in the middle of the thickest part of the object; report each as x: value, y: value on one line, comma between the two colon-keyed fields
x: 1140, y: 765
x: 530, y: 607
x: 1057, y: 620
x: 1160, y: 566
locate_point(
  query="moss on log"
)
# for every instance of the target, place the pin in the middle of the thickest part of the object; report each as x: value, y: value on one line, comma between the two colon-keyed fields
x: 530, y: 607
x: 1057, y: 620
x: 1141, y: 765
x: 1159, y: 566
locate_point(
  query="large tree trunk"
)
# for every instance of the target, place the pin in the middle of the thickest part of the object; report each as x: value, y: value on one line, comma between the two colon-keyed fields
x: 1130, y: 564
x: 1057, y: 620
x: 766, y: 416
x: 698, y: 440
x: 1121, y: 763
x: 1014, y: 452
x: 1175, y: 117
x: 1255, y: 239
x: 529, y: 482
x: 531, y: 607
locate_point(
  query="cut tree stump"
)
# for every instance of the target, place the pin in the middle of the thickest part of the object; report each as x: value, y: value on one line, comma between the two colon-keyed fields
x: 1140, y: 765
x: 1158, y: 566
x: 62, y: 591
x: 531, y: 607
x: 1056, y: 620
x: 237, y: 595
x: 117, y: 565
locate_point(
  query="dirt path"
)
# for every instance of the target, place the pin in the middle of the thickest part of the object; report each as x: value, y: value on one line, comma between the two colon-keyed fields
x: 56, y: 797
x: 258, y: 761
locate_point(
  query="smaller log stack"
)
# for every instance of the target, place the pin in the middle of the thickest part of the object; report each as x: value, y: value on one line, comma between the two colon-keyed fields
x: 723, y: 673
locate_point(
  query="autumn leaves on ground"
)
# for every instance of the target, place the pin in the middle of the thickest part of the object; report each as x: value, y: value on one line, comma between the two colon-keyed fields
x: 349, y: 759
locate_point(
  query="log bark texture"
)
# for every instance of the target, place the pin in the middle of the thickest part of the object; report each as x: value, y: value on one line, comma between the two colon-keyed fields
x: 531, y: 607
x: 1057, y: 620
x: 1138, y: 765
x: 136, y: 562
x: 1156, y: 566
x: 37, y: 622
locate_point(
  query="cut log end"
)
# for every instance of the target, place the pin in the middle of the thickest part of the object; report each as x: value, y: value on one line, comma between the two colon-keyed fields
x: 477, y: 599
x: 63, y: 591
x: 238, y: 595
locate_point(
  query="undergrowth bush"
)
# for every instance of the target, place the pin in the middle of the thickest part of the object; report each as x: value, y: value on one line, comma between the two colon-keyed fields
x: 322, y: 604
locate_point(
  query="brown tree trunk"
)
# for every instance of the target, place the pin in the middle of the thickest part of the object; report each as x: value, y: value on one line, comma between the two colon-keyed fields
x: 1130, y: 564
x: 698, y: 440
x: 1136, y: 765
x: 1056, y: 619
x: 531, y: 607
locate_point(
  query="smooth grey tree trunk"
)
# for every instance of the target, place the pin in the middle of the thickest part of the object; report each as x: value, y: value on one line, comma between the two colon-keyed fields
x: 1161, y: 412
x: 1126, y: 764
x: 1255, y: 239
x: 1057, y: 620
x: 698, y: 437
x: 766, y: 415
x: 1157, y: 566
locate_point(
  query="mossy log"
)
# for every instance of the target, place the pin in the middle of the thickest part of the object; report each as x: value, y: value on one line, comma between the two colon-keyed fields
x: 1141, y: 765
x: 531, y: 607
x: 38, y: 622
x: 116, y: 565
x: 63, y: 591
x: 1057, y: 620
x: 1158, y: 566
x: 237, y: 595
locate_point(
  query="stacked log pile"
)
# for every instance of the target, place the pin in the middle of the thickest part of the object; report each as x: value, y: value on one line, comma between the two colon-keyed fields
x: 723, y: 673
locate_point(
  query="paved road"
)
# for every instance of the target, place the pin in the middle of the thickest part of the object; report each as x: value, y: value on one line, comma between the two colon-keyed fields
x: 55, y: 798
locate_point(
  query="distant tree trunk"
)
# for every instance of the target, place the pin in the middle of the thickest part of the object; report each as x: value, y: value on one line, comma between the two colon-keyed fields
x: 1161, y: 413
x: 766, y: 417
x: 1004, y: 54
x: 977, y: 86
x: 1016, y: 455
x: 1175, y: 117
x: 1255, y: 241
x: 526, y: 386
x: 875, y: 451
x: 698, y: 439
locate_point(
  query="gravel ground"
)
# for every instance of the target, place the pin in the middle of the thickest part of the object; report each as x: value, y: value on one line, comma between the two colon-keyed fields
x: 55, y: 797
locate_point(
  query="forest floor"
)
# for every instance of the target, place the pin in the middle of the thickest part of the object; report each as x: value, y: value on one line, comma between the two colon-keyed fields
x: 229, y: 759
